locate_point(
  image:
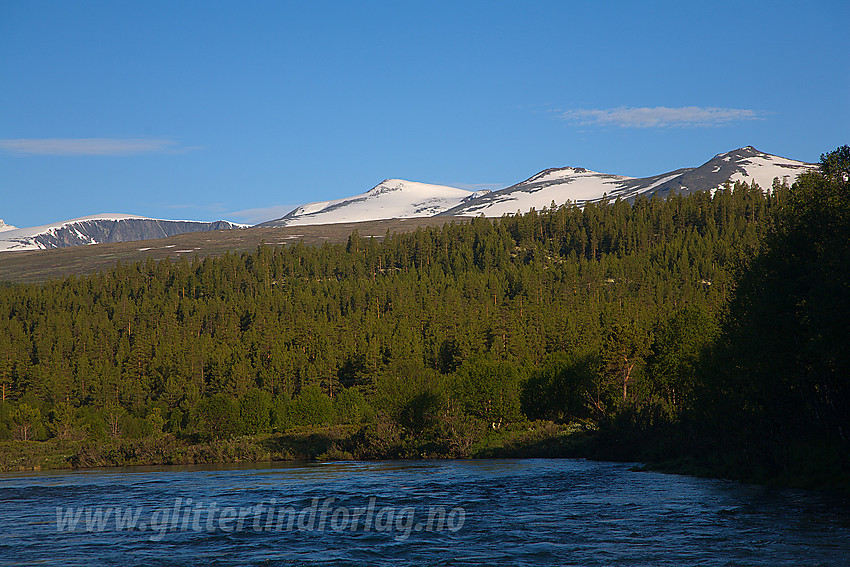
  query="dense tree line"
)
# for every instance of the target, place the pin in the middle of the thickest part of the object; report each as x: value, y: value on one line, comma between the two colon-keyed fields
x: 776, y: 384
x: 566, y: 314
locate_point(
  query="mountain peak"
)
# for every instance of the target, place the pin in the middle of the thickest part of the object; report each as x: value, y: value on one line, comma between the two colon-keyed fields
x: 388, y: 186
x: 746, y: 151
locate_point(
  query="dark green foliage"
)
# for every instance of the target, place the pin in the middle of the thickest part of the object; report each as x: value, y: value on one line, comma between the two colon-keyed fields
x: 27, y: 421
x: 423, y: 411
x: 678, y: 348
x: 255, y: 409
x: 311, y: 407
x: 220, y: 415
x: 350, y: 406
x: 560, y: 388
x: 489, y: 390
x: 401, y: 385
x: 624, y: 351
x: 835, y: 167
x: 781, y: 371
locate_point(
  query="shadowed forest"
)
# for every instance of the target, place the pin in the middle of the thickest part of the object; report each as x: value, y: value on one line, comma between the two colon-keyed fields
x: 708, y: 332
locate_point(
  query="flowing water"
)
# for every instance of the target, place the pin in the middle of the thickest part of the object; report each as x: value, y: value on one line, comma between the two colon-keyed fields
x: 500, y: 512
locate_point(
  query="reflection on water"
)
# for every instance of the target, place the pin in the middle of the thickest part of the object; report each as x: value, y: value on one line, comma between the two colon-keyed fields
x: 520, y: 512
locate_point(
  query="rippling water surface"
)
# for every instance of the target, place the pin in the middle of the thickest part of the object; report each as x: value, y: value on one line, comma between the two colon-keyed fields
x: 518, y: 512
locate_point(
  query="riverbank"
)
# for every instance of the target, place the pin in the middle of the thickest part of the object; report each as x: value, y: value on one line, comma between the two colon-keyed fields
x: 167, y: 450
x: 811, y: 467
x: 377, y: 441
x: 814, y: 467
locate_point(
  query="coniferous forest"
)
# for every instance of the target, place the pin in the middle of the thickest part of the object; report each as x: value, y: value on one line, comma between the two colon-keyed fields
x: 707, y: 330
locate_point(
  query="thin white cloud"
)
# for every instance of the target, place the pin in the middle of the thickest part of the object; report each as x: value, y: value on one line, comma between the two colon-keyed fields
x: 89, y: 146
x: 658, y: 116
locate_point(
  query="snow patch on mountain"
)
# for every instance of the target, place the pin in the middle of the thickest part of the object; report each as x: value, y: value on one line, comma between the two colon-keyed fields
x: 392, y: 198
x: 558, y: 185
x: 660, y: 182
x: 764, y: 168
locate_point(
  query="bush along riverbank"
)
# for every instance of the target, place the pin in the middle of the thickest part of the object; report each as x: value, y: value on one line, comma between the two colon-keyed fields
x: 375, y: 441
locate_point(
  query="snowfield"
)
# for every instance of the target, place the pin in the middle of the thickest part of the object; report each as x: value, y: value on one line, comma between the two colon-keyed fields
x: 392, y: 198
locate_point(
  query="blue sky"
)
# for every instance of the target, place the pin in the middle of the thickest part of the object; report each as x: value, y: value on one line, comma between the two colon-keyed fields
x: 243, y: 110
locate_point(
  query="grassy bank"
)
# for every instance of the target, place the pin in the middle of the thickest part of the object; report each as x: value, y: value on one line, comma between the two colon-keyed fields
x: 817, y: 467
x: 376, y: 441
x: 299, y: 445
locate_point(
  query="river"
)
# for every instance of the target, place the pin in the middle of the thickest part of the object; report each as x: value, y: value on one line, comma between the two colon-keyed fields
x: 497, y: 512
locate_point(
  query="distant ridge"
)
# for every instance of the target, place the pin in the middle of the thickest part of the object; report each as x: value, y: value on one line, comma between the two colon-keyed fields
x: 401, y: 199
x: 396, y: 198
x: 100, y: 229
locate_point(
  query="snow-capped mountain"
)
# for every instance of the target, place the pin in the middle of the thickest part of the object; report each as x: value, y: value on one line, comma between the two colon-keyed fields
x: 396, y: 198
x: 580, y: 185
x: 99, y: 229
x: 392, y: 198
x: 557, y: 185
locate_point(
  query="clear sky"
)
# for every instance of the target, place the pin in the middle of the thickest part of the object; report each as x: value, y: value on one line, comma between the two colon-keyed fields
x: 243, y: 110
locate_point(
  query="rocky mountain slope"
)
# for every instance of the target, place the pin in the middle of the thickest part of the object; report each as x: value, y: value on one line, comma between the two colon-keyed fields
x: 98, y: 229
